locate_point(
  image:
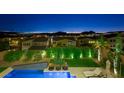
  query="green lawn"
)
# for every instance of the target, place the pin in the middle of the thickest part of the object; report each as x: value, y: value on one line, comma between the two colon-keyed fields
x: 71, y: 52
x: 81, y: 63
x: 13, y: 56
x: 75, y: 57
x: 87, y: 62
x: 31, y: 53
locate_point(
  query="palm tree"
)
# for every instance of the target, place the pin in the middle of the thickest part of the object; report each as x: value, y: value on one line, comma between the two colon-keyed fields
x: 105, y: 54
x: 103, y: 48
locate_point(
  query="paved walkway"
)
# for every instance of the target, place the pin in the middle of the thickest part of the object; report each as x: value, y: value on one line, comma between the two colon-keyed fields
x: 78, y: 71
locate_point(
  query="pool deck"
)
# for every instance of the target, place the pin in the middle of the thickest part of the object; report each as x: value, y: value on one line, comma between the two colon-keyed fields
x: 75, y: 71
x: 78, y: 71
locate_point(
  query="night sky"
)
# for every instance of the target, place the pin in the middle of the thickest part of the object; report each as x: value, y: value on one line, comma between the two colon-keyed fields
x: 61, y: 22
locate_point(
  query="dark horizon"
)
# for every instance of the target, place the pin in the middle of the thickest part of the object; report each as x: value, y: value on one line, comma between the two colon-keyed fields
x: 62, y: 32
x: 45, y: 23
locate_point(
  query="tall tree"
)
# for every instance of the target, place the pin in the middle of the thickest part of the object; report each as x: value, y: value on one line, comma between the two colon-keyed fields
x: 117, y: 59
x: 101, y: 45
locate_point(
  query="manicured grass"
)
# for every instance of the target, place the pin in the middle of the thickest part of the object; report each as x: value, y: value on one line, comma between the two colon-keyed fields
x: 76, y: 57
x: 31, y: 53
x: 16, y: 55
x: 13, y: 56
x: 81, y: 63
x: 58, y: 61
x: 2, y: 69
x: 68, y: 52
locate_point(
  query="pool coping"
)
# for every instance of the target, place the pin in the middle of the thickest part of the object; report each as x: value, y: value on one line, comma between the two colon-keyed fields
x: 5, y: 72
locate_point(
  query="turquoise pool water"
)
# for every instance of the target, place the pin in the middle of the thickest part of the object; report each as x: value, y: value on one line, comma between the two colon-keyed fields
x: 37, y: 74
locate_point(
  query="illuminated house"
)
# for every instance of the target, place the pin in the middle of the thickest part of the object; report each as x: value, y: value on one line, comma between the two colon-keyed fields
x: 85, y: 41
x: 40, y: 43
x: 15, y: 43
x: 26, y: 44
x: 63, y: 41
x: 111, y: 38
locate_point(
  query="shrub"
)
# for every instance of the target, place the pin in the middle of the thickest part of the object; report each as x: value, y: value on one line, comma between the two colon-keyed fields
x: 13, y: 56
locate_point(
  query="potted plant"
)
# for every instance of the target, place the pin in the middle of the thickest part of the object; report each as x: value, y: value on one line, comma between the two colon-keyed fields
x: 57, y: 63
x: 65, y: 66
x: 58, y: 67
x: 51, y: 67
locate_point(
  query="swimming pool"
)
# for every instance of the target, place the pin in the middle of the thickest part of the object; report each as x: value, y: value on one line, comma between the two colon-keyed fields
x: 37, y: 74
